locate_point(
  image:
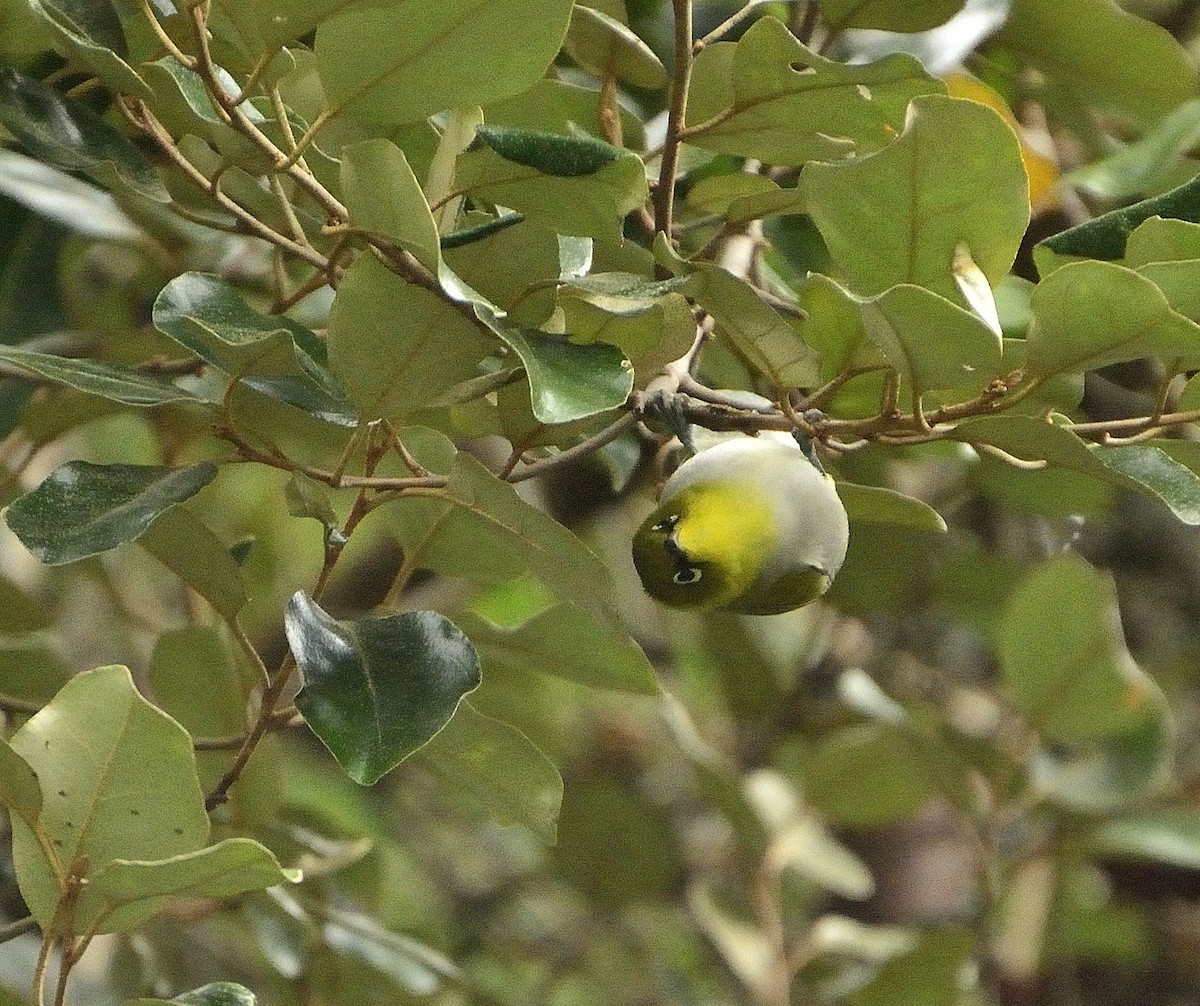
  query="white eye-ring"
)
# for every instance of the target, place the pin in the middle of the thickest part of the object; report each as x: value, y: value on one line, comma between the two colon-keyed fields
x: 689, y: 574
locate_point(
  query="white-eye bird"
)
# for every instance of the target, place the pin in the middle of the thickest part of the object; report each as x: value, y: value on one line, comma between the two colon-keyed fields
x: 750, y: 525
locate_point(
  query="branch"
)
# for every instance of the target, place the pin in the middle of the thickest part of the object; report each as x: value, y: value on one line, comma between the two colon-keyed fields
x: 664, y: 194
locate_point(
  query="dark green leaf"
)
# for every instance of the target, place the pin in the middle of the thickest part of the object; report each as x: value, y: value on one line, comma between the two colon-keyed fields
x: 70, y: 135
x: 577, y: 185
x: 569, y: 381
x: 91, y: 32
x: 1104, y: 237
x: 377, y: 689
x: 118, y: 384
x: 1159, y: 474
x: 82, y: 509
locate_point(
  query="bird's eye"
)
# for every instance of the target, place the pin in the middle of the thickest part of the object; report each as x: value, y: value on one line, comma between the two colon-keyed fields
x: 666, y: 524
x: 689, y: 574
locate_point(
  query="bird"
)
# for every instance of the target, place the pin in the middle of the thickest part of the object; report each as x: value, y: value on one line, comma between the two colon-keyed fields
x: 752, y: 524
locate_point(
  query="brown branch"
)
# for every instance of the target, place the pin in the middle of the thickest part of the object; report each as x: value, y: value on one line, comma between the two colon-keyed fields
x: 664, y: 195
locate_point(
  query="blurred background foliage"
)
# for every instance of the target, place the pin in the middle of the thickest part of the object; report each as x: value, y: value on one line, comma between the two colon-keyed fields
x: 842, y: 802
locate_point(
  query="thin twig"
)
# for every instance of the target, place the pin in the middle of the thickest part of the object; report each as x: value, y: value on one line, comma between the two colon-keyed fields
x: 664, y: 195
x: 11, y: 930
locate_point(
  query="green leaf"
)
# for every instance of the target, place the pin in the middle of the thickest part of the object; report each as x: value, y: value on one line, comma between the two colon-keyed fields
x: 384, y: 197
x: 229, y: 868
x: 769, y: 97
x: 377, y: 689
x: 887, y: 15
x: 1140, y: 166
x: 210, y: 317
x: 1157, y: 239
x: 1144, y: 468
x: 569, y: 643
x: 188, y: 547
x: 91, y: 34
x: 116, y: 383
x: 124, y: 789
x: 218, y: 994
x: 577, y: 185
x: 20, y: 790
x: 879, y: 505
x: 931, y: 342
x: 82, y: 509
x: 498, y: 769
x: 741, y: 198
x: 867, y: 775
x: 554, y: 106
x: 756, y: 331
x: 1170, y: 835
x: 953, y: 179
x: 511, y: 267
x: 69, y: 202
x: 70, y: 135
x: 308, y: 498
x: 1104, y: 237
x: 478, y: 527
x: 1121, y: 62
x: 930, y: 973
x: 1091, y: 314
x: 392, y: 63
x: 1155, y: 472
x: 1063, y: 659
x: 651, y: 331
x: 395, y: 347
x: 567, y: 380
x: 607, y: 48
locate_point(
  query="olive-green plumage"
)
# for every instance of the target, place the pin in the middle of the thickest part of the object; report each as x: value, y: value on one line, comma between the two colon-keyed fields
x: 749, y: 525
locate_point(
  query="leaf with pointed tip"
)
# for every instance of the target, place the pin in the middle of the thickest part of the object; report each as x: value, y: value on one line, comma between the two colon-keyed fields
x: 1104, y: 237
x: 377, y: 689
x: 126, y: 788
x: 187, y: 546
x: 234, y: 866
x: 69, y: 135
x: 209, y: 316
x: 82, y: 509
x: 606, y: 47
x: 499, y: 769
x: 74, y: 204
x: 384, y: 197
x: 92, y: 34
x: 879, y: 505
x: 108, y: 380
x: 577, y: 185
x: 1063, y: 659
x: 770, y: 97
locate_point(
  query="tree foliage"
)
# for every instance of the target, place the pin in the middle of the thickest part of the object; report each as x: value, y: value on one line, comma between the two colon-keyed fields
x: 331, y: 341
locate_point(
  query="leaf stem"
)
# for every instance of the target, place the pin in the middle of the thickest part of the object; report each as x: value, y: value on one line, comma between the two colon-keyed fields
x: 11, y: 930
